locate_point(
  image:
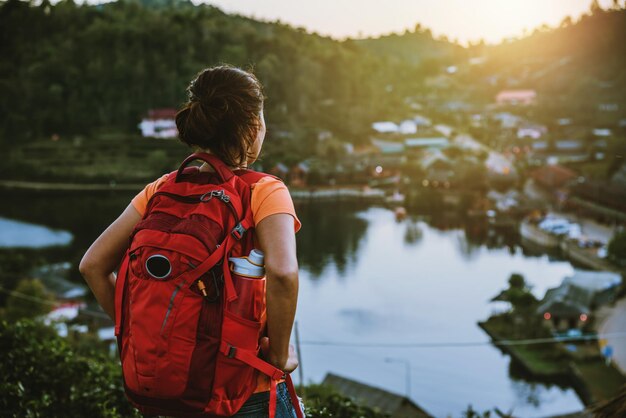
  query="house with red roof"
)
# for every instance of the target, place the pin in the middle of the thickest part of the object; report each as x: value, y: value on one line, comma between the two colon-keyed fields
x: 159, y: 123
x: 516, y: 97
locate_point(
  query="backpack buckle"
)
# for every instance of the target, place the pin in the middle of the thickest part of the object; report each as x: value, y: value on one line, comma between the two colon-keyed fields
x: 238, y: 231
x: 232, y: 351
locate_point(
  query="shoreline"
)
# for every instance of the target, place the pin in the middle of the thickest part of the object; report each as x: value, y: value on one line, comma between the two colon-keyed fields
x: 40, y: 186
x: 358, y: 192
x: 570, y: 376
x: 566, y: 248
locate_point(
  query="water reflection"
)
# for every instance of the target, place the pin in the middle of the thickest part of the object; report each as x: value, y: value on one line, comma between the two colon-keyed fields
x: 413, y: 233
x: 330, y: 235
x: 415, y: 282
x: 84, y: 215
x: 366, y: 278
x: 16, y: 234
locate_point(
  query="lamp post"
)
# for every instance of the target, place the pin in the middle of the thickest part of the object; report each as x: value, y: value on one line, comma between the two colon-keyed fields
x: 407, y: 364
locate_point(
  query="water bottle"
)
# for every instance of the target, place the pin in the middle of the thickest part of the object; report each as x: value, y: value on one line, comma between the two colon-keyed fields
x: 248, y: 275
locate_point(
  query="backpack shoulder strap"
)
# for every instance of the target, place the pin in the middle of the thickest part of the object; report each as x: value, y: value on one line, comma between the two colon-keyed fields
x: 251, y: 177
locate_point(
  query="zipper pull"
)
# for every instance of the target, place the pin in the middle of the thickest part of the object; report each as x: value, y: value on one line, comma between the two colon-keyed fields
x: 202, y: 287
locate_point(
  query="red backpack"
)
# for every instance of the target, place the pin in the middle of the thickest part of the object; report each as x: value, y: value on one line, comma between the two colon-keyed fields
x: 184, y: 352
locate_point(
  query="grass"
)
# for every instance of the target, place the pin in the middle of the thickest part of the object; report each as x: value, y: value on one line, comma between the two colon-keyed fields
x: 552, y: 361
x: 596, y: 170
x: 540, y: 360
x: 123, y: 160
x: 605, y: 380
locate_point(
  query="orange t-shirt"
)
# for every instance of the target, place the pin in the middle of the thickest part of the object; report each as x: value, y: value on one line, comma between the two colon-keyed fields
x: 269, y: 197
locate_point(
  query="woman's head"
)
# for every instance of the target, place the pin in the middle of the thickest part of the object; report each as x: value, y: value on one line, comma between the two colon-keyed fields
x: 224, y: 114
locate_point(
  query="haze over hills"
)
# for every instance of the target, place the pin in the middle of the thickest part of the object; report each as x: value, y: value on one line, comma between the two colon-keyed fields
x: 102, y: 67
x: 579, y: 63
x: 416, y: 47
x: 578, y: 59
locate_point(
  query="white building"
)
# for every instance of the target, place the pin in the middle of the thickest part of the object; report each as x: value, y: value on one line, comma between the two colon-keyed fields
x: 160, y: 123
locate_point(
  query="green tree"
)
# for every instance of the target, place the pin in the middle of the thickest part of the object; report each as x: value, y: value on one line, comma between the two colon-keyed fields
x: 29, y: 300
x: 517, y: 281
x: 617, y: 249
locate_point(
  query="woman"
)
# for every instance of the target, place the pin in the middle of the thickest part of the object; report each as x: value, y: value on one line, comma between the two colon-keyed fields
x: 224, y: 117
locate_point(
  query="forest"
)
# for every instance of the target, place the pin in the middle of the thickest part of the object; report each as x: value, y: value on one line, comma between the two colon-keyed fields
x: 79, y: 69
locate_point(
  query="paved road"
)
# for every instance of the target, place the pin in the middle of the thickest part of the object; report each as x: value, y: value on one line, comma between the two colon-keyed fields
x: 613, y: 323
x: 589, y: 227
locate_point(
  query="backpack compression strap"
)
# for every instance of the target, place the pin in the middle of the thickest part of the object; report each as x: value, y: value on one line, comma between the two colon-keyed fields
x: 250, y: 358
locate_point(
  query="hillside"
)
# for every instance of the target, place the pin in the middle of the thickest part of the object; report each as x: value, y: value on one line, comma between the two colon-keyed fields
x: 576, y: 67
x: 72, y: 69
x: 417, y: 47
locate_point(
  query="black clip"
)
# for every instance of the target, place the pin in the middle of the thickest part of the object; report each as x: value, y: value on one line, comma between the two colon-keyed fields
x: 232, y: 351
x: 238, y: 231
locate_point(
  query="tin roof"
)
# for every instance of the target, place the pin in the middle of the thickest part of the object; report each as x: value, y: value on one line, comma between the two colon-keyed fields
x: 396, y: 406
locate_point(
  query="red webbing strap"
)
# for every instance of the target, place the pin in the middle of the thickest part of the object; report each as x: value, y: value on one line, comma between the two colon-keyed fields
x: 294, y: 397
x: 273, y: 396
x: 229, y: 287
x: 221, y: 253
x: 218, y: 165
x: 119, y: 291
x: 250, y: 358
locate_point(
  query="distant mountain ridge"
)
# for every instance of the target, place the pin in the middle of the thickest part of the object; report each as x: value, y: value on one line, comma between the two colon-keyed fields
x: 415, y: 47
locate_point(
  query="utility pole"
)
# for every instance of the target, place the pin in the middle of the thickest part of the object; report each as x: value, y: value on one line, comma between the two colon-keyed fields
x: 407, y: 364
x: 300, y: 371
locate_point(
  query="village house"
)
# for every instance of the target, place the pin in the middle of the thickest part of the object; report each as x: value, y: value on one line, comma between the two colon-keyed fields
x: 279, y: 170
x: 407, y: 127
x: 396, y: 406
x: 570, y: 305
x: 388, y: 147
x: 159, y: 123
x: 516, y: 97
x: 439, y: 169
x: 298, y: 174
x: 507, y: 120
x: 602, y: 133
x: 422, y: 121
x: 531, y: 131
x: 426, y: 143
x: 553, y: 179
x: 560, y: 151
x: 385, y: 127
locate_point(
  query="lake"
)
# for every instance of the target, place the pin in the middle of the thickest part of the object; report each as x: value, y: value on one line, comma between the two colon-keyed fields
x: 377, y: 296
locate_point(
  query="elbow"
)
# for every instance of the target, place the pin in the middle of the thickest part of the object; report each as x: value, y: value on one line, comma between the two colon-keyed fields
x: 87, y: 266
x: 278, y: 361
x: 285, y: 275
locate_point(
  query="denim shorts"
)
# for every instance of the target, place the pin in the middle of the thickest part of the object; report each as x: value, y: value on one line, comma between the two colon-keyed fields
x: 257, y: 406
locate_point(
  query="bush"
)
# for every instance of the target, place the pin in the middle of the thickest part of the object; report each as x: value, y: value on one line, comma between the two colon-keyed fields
x: 323, y: 401
x: 29, y: 301
x: 42, y: 376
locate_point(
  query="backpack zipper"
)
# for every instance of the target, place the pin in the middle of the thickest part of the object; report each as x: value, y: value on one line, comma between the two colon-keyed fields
x: 171, y: 305
x: 202, y: 198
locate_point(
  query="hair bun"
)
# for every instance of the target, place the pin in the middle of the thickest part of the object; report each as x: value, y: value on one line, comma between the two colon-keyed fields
x: 222, y: 113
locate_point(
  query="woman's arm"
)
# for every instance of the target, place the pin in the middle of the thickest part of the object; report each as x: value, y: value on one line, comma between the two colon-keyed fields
x: 278, y: 242
x: 104, y: 256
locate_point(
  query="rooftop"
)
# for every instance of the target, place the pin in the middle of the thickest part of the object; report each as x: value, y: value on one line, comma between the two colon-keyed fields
x: 397, y: 406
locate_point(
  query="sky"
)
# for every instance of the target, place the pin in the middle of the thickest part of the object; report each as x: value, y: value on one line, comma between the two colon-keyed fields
x: 464, y: 20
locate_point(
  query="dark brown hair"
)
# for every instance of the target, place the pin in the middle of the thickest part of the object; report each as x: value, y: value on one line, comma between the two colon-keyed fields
x: 222, y: 113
